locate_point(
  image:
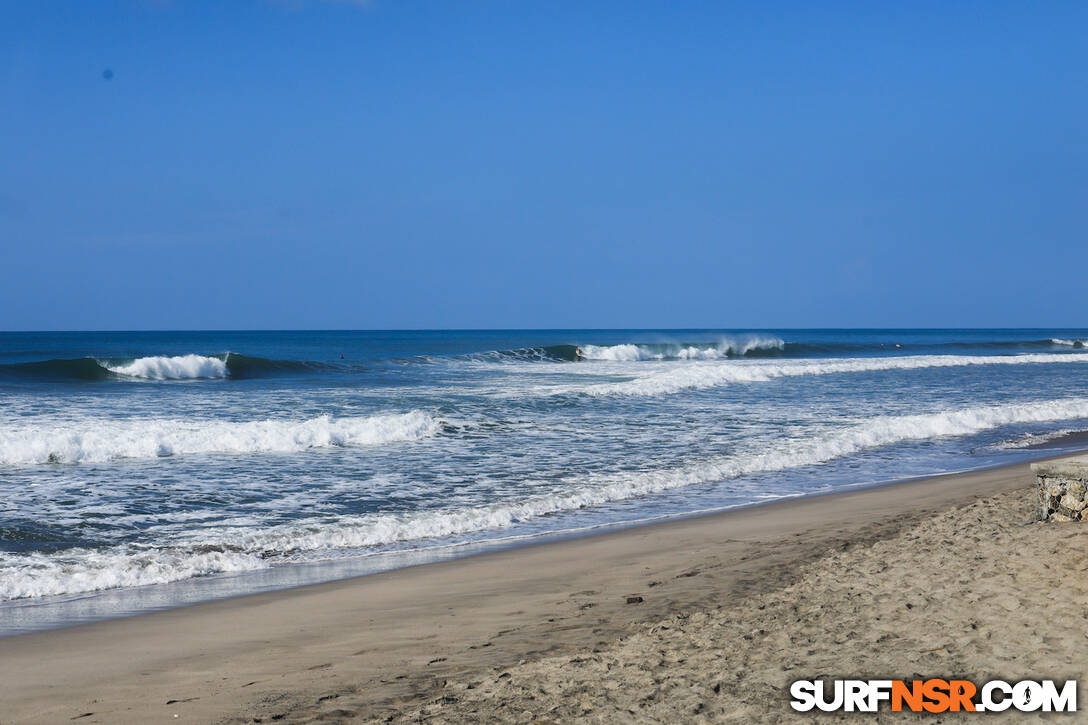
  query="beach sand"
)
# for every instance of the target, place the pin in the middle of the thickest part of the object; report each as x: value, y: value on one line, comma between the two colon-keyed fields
x: 700, y: 619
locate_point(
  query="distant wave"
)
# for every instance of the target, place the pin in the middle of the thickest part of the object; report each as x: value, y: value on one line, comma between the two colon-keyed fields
x: 179, y: 367
x: 892, y: 345
x: 755, y: 346
x: 740, y: 347
x: 709, y: 375
x: 802, y: 349
x: 236, y: 366
x: 100, y: 441
x: 83, y: 570
x: 743, y: 346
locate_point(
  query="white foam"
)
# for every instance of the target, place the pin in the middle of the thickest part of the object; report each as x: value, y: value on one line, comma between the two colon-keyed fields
x: 1070, y: 343
x: 607, y: 488
x: 182, y: 367
x: 84, y: 570
x: 745, y: 345
x: 725, y: 348
x: 675, y: 378
x: 233, y: 549
x: 98, y: 440
x: 619, y: 353
x: 874, y: 433
x: 1037, y: 439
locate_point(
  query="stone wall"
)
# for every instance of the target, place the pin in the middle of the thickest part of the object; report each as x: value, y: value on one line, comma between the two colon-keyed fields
x: 1062, y: 489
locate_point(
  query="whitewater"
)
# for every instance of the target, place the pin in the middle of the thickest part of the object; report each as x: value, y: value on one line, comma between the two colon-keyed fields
x: 665, y: 380
x: 102, y: 440
x: 130, y: 462
x: 178, y: 367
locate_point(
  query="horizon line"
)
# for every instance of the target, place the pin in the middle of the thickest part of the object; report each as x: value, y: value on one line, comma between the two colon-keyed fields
x: 523, y: 329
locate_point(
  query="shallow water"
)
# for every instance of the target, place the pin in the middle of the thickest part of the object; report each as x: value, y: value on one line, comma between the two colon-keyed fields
x: 131, y: 459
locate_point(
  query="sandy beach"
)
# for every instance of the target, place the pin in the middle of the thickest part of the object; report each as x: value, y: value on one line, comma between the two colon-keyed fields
x: 367, y: 361
x: 699, y: 619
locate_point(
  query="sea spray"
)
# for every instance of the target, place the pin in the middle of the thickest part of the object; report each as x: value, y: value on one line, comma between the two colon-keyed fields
x: 182, y: 367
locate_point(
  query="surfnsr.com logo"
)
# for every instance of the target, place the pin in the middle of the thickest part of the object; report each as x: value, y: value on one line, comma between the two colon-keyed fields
x: 934, y: 695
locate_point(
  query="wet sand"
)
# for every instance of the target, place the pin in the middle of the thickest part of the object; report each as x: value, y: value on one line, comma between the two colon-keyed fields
x: 706, y: 618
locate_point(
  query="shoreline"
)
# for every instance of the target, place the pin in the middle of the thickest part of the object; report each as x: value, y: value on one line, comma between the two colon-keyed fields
x: 385, y: 637
x: 30, y: 616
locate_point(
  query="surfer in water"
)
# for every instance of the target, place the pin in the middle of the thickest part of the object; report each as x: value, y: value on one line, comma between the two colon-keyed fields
x: 578, y: 357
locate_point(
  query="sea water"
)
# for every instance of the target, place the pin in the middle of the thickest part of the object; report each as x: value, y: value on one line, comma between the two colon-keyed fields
x: 228, y: 462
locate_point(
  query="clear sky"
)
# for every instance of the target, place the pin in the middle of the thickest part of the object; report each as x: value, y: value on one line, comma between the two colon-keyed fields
x: 400, y: 164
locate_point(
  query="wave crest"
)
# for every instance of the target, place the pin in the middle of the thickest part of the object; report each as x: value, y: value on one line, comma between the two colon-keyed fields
x: 726, y: 348
x: 85, y: 570
x: 181, y: 367
x: 102, y: 441
x: 160, y: 367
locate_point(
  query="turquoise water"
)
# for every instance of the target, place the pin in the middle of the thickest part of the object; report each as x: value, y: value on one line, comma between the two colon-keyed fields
x: 139, y: 459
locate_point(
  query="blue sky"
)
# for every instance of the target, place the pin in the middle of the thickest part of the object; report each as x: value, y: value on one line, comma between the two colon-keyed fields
x: 399, y: 164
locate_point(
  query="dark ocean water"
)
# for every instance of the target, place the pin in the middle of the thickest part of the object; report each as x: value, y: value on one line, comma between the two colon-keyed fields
x: 131, y: 459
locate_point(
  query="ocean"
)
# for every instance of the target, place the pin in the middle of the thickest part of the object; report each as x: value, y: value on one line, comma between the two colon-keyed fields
x: 140, y: 470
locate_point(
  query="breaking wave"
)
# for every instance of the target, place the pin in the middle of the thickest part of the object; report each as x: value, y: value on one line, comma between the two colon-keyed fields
x: 84, y: 570
x: 689, y: 377
x: 182, y: 367
x: 158, y: 367
x: 760, y: 346
x: 232, y: 365
x: 741, y: 347
x: 100, y: 441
